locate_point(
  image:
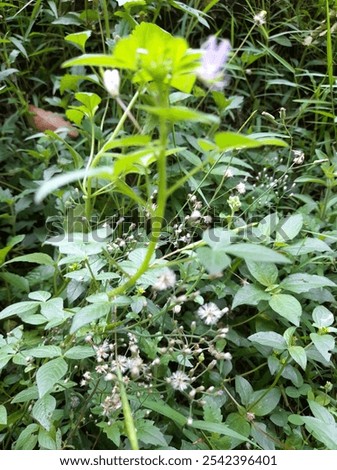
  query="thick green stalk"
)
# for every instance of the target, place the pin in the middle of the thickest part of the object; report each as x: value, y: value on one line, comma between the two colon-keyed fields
x: 128, y: 419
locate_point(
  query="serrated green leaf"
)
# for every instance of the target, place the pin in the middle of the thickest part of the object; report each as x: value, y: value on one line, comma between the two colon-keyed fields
x: 49, y: 374
x: 43, y: 409
x: 251, y: 252
x: 265, y: 273
x: 299, y: 355
x: 324, y: 344
x: 148, y: 433
x: 89, y: 314
x: 270, y: 339
x: 287, y: 307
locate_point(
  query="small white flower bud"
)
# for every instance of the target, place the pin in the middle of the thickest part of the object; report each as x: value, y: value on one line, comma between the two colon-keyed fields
x: 112, y: 80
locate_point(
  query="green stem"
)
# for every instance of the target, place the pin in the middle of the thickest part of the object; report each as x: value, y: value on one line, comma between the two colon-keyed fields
x: 128, y: 419
x: 158, y: 216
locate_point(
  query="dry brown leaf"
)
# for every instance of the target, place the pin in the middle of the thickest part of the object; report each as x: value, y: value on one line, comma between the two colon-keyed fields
x: 48, y: 121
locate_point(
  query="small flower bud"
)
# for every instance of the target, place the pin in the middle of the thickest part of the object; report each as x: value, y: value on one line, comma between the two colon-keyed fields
x: 112, y: 80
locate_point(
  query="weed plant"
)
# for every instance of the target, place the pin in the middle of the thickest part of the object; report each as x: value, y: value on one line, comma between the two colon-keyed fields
x: 168, y: 265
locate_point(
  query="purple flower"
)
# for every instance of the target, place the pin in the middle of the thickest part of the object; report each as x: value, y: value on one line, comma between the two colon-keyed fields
x: 214, y: 57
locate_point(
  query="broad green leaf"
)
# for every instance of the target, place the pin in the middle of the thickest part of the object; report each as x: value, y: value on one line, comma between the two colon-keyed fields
x: 112, y: 430
x: 231, y: 140
x: 244, y: 389
x: 251, y: 252
x: 150, y: 434
x: 218, y: 237
x: 130, y: 141
x: 19, y: 283
x: 28, y: 438
x: 49, y: 374
x: 160, y: 407
x: 288, y: 229
x: 265, y: 273
x: 90, y: 100
x: 269, y: 338
x: 181, y: 113
x: 43, y: 410
x: 212, y: 410
x: 79, y: 352
x: 239, y: 424
x: 322, y: 317
x: 79, y: 39
x: 307, y: 245
x: 46, y: 439
x: 262, y: 436
x: 219, y: 428
x: 39, y: 295
x: 25, y: 395
x: 61, y: 180
x: 38, y: 258
x: 249, y: 295
x: 43, y: 351
x: 299, y: 355
x: 3, y: 415
x: 19, y: 308
x: 268, y: 225
x: 323, y: 432
x: 320, y: 412
x: 324, y: 344
x: 265, y: 401
x: 89, y: 314
x: 302, y: 282
x: 287, y: 307
x: 215, y: 261
x: 99, y: 60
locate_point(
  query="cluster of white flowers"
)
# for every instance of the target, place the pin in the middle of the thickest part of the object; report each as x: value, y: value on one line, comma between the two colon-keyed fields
x: 298, y: 157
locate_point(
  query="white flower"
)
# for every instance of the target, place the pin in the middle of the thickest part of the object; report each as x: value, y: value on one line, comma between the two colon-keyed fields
x: 179, y: 381
x: 260, y: 18
x: 299, y: 157
x: 228, y: 173
x: 112, y: 80
x: 227, y: 356
x: 121, y: 363
x: 195, y: 215
x: 165, y: 280
x: 210, y: 313
x: 213, y: 60
x: 241, y: 188
x: 102, y: 351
